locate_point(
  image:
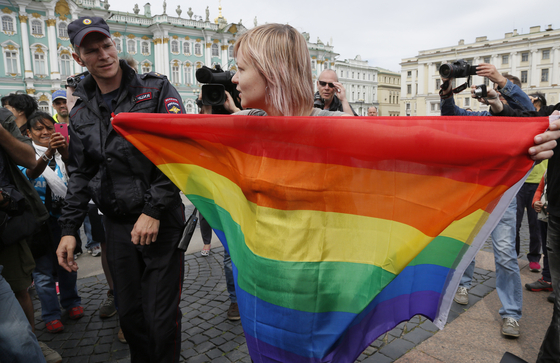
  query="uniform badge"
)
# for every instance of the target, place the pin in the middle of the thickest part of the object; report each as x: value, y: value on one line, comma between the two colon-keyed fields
x: 144, y: 97
x: 172, y: 105
x: 87, y: 21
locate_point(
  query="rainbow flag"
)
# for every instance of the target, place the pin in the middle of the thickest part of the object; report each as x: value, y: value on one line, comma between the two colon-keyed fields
x: 340, y: 228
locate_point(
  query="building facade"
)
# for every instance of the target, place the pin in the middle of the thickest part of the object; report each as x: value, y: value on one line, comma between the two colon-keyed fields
x: 533, y: 58
x: 37, y: 54
x: 368, y: 86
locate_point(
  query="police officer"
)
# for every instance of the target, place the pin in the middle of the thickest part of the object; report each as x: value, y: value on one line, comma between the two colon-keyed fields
x: 142, y: 209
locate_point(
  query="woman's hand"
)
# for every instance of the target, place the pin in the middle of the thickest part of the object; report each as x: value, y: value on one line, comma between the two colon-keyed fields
x: 58, y: 143
x: 229, y: 105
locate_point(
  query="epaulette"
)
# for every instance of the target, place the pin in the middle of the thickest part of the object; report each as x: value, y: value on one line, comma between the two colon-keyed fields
x: 153, y: 75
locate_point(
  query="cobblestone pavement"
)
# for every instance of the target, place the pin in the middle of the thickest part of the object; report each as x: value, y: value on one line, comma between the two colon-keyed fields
x: 208, y: 336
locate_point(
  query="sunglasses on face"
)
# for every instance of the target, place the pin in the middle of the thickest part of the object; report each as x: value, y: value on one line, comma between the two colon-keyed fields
x: 324, y: 84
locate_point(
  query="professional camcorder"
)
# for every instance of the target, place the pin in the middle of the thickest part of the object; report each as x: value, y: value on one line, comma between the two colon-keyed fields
x: 457, y: 69
x: 217, y: 81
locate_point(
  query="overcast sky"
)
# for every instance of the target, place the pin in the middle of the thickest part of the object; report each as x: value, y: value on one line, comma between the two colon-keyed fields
x: 381, y: 31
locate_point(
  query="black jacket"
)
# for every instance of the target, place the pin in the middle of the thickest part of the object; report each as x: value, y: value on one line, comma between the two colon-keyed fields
x: 336, y: 105
x: 123, y: 183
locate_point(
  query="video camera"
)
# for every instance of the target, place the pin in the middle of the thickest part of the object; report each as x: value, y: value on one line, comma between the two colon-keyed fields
x: 217, y: 81
x: 457, y: 69
x: 73, y: 81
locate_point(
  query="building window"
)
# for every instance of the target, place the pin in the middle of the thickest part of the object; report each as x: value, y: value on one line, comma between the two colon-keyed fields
x: 40, y: 65
x: 145, y: 48
x: 11, y: 62
x: 131, y: 46
x: 65, y: 65
x: 363, y: 76
x: 486, y: 60
x: 434, y: 107
x: 505, y: 59
x: 118, y: 45
x: 408, y: 88
x: 546, y: 54
x: 544, y: 75
x: 467, y: 102
x: 187, y: 48
x: 44, y: 107
x: 62, y: 30
x: 438, y: 84
x: 175, y: 74
x: 175, y: 46
x: 7, y: 24
x: 525, y: 56
x: 188, y: 75
x: 230, y: 51
x: 352, y: 75
x: 215, y: 50
x: 524, y: 76
x: 36, y: 27
x: 189, y: 108
x: 146, y: 67
x: 198, y: 49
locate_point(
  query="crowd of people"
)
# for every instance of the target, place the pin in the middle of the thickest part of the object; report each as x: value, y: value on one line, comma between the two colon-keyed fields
x: 135, y: 213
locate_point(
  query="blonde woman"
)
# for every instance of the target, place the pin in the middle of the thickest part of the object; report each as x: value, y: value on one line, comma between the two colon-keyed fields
x: 274, y: 72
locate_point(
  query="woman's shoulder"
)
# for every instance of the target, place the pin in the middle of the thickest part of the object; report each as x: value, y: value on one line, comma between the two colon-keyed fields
x: 319, y: 112
x: 251, y: 112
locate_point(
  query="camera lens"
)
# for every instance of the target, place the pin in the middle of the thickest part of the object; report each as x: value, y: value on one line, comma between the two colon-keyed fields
x: 445, y: 70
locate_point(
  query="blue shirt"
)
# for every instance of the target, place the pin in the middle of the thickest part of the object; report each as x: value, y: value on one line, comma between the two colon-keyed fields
x: 40, y: 185
x: 515, y: 97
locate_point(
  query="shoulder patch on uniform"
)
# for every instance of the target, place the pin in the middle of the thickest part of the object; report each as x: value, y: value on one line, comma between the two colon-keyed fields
x: 172, y: 105
x: 152, y: 74
x: 144, y: 97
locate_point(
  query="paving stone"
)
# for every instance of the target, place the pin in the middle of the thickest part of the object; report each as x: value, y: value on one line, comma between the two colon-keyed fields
x: 198, y: 359
x: 417, y: 336
x: 81, y: 359
x: 481, y: 290
x: 378, y: 358
x: 204, y: 347
x: 102, y: 348
x: 396, y: 348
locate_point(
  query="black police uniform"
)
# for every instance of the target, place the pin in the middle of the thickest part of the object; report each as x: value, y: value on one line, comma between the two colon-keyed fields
x: 147, y: 279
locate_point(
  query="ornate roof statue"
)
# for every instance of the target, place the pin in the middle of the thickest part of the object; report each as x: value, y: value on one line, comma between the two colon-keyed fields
x: 178, y: 10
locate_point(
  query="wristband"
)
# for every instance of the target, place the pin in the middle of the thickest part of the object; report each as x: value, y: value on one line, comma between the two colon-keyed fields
x: 46, y: 158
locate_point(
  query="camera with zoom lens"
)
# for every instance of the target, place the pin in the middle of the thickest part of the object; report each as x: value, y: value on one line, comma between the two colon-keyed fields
x: 457, y: 69
x: 73, y: 81
x: 216, y: 82
x: 481, y: 91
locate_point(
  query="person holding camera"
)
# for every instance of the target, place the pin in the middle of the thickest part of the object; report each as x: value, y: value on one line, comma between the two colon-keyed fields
x: 508, y: 278
x: 142, y: 209
x: 331, y: 94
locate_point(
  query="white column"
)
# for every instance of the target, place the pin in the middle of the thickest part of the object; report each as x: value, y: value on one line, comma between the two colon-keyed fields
x: 430, y: 78
x: 555, y: 69
x: 224, y: 50
x: 28, y: 70
x: 535, y: 78
x: 513, y: 62
x: 207, y: 52
x: 166, y: 54
x: 413, y: 80
x: 53, y: 54
x: 421, y: 79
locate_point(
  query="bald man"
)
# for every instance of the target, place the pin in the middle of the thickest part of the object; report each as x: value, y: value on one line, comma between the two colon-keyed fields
x: 372, y: 111
x: 331, y: 95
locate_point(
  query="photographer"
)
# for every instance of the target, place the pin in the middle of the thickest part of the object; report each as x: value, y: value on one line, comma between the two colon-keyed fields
x: 508, y: 86
x: 508, y: 278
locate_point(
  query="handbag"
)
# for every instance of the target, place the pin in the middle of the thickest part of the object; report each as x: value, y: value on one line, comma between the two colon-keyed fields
x: 188, y: 231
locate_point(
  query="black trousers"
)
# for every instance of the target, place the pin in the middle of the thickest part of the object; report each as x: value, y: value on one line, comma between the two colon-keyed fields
x: 147, y: 284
